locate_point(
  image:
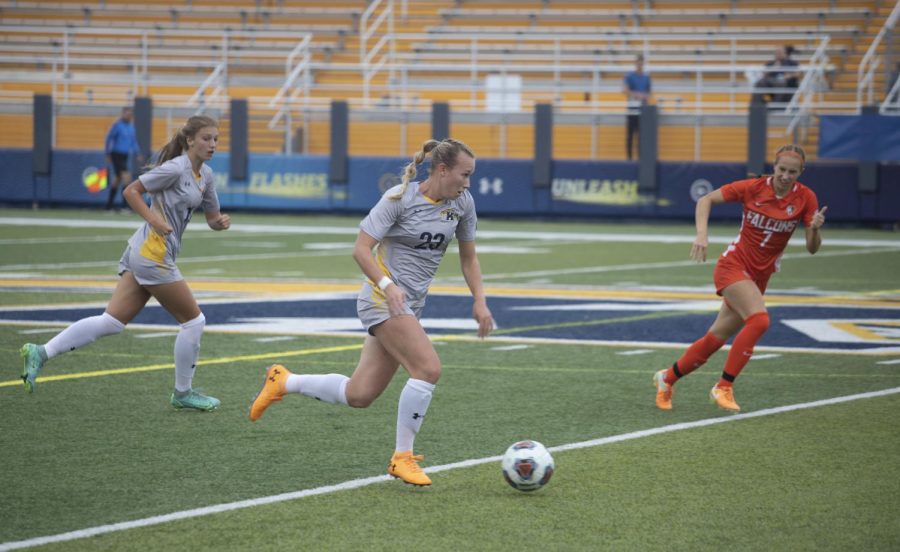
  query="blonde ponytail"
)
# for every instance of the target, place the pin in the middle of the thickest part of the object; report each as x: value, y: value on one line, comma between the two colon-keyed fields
x: 442, y: 152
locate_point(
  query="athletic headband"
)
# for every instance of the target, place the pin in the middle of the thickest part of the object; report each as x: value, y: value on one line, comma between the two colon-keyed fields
x: 790, y: 153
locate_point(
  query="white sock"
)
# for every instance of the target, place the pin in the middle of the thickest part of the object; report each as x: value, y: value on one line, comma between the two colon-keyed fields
x: 83, y: 332
x: 414, y: 401
x: 331, y: 388
x: 187, y: 349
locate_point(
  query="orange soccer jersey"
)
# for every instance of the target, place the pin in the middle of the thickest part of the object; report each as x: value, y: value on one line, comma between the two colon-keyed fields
x: 767, y: 222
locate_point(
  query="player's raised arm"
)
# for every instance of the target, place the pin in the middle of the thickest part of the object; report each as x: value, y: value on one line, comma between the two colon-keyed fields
x: 813, y: 235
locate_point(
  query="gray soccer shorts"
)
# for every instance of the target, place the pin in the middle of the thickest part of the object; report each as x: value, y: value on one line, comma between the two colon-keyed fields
x: 372, y: 308
x: 149, y: 272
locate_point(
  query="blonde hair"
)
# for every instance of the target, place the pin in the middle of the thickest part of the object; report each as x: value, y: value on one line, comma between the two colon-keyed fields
x: 442, y: 152
x: 791, y: 150
x: 178, y: 143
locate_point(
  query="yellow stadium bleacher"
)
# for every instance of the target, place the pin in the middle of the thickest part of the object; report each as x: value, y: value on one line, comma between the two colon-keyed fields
x: 584, y: 34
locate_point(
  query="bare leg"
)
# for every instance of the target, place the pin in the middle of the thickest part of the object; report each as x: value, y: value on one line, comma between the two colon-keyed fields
x: 373, y: 374
x: 177, y: 299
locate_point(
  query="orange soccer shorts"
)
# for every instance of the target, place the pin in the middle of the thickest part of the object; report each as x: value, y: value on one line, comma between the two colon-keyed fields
x: 730, y: 270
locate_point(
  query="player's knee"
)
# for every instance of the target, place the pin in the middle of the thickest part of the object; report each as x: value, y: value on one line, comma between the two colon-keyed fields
x: 358, y: 400
x: 430, y: 373
x: 758, y: 322
x: 197, y: 323
x: 111, y: 324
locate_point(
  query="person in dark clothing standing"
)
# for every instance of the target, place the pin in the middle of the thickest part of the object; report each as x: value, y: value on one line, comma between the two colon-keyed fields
x: 121, y: 141
x: 637, y: 89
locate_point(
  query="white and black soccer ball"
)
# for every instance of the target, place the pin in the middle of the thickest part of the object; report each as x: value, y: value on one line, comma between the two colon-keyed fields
x: 527, y: 465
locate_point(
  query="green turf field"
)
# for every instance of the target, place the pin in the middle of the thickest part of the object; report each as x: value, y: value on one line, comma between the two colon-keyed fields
x: 98, y: 444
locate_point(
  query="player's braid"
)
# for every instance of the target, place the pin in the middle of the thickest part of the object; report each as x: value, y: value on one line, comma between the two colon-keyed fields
x: 446, y: 151
x: 410, y: 171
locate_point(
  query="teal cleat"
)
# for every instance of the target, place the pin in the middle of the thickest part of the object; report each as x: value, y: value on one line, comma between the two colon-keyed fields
x: 196, y: 400
x: 35, y: 357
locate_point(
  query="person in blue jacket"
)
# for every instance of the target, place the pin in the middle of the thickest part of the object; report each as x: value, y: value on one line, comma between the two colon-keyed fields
x: 637, y: 88
x: 121, y: 141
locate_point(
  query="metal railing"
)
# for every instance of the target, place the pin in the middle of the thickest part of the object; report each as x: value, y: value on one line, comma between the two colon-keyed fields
x: 891, y: 103
x: 372, y: 59
x: 297, y: 67
x: 811, y: 87
x: 398, y: 77
x: 87, y: 55
x: 865, y: 74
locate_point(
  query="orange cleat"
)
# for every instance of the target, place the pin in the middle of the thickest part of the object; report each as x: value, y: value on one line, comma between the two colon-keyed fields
x: 405, y: 466
x: 724, y: 397
x: 663, y: 391
x: 273, y: 390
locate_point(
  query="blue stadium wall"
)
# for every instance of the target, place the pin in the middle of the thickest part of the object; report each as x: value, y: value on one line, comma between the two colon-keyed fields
x: 584, y: 189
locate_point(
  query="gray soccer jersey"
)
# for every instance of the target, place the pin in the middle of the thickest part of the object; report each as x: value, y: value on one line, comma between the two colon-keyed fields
x: 175, y: 194
x: 413, y: 234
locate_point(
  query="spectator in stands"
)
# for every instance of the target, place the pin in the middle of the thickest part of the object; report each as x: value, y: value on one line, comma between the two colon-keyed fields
x: 637, y: 90
x: 778, y: 74
x: 121, y: 142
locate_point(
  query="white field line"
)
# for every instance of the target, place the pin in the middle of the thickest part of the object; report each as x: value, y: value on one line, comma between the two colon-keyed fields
x: 687, y: 237
x: 872, y: 246
x: 511, y: 348
x: 442, y: 340
x: 365, y: 482
x: 669, y: 264
x: 181, y: 260
x: 507, y: 276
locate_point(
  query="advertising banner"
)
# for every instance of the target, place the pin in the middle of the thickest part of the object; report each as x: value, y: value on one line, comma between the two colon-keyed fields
x: 583, y: 189
x: 277, y: 182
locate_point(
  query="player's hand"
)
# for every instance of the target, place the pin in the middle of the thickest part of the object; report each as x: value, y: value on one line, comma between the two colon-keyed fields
x: 163, y: 228
x: 222, y: 222
x: 396, y: 299
x: 482, y: 314
x: 818, y: 219
x: 698, y: 250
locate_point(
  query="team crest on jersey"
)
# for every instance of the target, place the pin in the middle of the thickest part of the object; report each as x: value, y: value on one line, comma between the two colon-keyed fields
x: 449, y: 215
x: 790, y: 210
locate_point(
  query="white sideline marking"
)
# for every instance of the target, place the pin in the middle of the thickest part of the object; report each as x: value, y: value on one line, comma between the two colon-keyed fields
x: 896, y: 361
x: 365, y: 482
x: 614, y: 237
x: 275, y: 338
x: 511, y: 348
x: 763, y: 357
x: 154, y: 335
x: 635, y: 352
x: 645, y: 266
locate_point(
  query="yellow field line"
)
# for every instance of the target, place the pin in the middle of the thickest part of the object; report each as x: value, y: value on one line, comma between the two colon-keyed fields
x: 169, y: 366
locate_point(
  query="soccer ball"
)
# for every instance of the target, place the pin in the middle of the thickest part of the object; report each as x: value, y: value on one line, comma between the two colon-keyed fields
x: 527, y: 465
